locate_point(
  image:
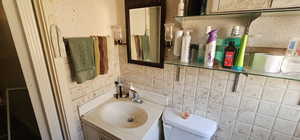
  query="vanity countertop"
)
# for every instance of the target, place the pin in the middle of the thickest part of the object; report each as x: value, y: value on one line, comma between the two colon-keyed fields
x: 153, y: 111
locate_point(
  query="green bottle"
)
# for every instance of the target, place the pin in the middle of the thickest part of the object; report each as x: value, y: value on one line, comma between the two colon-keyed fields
x: 219, y: 57
x: 235, y: 37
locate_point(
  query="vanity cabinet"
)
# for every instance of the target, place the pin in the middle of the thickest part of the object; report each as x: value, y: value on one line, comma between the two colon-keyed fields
x: 285, y: 3
x: 241, y: 5
x: 93, y: 133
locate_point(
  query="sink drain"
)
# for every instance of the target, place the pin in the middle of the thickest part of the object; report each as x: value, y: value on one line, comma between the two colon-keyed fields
x: 131, y: 119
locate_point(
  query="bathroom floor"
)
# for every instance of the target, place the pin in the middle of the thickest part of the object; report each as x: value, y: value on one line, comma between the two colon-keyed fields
x: 20, y: 131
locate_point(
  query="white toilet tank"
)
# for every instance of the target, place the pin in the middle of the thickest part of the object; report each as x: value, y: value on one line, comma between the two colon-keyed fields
x: 193, y: 128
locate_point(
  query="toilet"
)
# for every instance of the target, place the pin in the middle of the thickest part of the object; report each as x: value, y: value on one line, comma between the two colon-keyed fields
x: 193, y: 128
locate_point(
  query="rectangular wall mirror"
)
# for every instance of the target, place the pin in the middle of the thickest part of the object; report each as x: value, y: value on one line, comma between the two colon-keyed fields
x: 145, y: 33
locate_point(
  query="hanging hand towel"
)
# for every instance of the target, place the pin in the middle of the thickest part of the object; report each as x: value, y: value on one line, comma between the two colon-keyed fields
x: 97, y: 54
x: 138, y: 47
x: 141, y: 47
x: 83, y: 58
x: 145, y: 43
x: 103, y: 55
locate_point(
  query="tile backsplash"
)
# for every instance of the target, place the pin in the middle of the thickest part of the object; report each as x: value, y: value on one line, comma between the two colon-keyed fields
x: 261, y: 109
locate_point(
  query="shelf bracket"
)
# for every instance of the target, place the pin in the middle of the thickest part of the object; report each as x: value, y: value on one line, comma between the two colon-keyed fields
x: 236, y: 82
x: 177, y: 73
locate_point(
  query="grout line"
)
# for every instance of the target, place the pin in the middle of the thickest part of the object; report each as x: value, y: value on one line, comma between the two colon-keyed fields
x: 238, y: 110
x: 259, y: 102
x: 196, y: 91
x: 209, y: 91
x: 277, y: 113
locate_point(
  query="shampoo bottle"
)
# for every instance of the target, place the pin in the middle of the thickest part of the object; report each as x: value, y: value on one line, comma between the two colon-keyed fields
x: 178, y: 43
x: 180, y: 9
x: 210, y: 49
x: 186, y: 43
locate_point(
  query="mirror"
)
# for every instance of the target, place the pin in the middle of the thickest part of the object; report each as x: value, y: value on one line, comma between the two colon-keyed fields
x: 144, y: 34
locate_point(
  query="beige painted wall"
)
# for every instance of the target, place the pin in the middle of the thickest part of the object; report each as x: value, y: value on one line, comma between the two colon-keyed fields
x: 10, y: 72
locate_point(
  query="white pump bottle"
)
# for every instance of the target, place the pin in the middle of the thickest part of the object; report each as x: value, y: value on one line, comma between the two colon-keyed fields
x: 186, y: 43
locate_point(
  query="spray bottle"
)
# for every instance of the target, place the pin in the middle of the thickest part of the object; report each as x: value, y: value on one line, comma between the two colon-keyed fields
x: 210, y: 49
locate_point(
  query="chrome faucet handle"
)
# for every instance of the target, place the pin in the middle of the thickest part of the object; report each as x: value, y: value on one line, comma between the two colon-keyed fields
x: 135, y: 96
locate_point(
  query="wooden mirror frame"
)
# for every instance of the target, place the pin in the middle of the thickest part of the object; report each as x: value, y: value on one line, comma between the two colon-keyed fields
x: 134, y: 4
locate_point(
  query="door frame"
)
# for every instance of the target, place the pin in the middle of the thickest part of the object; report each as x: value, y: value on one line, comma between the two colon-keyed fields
x: 22, y: 22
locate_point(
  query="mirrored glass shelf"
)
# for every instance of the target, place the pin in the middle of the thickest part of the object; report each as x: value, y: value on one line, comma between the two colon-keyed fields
x: 265, y: 12
x: 295, y: 77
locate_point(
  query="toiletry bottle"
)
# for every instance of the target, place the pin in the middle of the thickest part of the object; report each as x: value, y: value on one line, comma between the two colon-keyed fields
x: 229, y: 55
x: 178, y: 43
x: 219, y: 57
x: 210, y: 49
x: 201, y: 53
x: 194, y: 53
x: 186, y: 43
x: 180, y: 9
x: 293, y: 47
x: 235, y: 37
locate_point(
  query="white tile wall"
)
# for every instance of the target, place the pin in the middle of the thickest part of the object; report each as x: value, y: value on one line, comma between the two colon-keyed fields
x: 259, y: 133
x: 264, y: 121
x: 262, y: 108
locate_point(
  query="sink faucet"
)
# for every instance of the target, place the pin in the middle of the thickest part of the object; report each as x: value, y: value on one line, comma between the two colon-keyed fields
x: 136, y: 98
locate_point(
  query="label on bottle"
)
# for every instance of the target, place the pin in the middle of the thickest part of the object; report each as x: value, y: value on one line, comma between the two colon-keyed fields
x: 229, y: 59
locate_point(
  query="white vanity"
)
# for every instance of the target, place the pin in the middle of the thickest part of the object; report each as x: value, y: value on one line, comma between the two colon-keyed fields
x: 122, y: 119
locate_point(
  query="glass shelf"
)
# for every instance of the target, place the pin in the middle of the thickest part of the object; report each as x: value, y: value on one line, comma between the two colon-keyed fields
x: 295, y: 77
x: 239, y: 14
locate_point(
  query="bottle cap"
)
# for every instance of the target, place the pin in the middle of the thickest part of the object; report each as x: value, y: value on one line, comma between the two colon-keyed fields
x: 236, y: 31
x: 208, y: 29
x: 212, y: 36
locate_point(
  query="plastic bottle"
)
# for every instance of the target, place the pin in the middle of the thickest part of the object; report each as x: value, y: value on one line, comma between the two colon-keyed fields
x: 178, y: 43
x: 229, y: 55
x: 180, y: 12
x: 201, y: 52
x: 186, y: 43
x: 210, y: 49
x: 293, y: 47
x: 235, y: 37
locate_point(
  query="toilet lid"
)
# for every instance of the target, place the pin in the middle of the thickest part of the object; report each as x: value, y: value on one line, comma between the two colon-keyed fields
x: 194, y: 124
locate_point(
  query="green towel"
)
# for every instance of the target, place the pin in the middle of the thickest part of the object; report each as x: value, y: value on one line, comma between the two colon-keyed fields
x: 82, y: 56
x: 145, y: 43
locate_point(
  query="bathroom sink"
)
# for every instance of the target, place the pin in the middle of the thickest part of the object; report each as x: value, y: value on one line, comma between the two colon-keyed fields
x: 123, y: 114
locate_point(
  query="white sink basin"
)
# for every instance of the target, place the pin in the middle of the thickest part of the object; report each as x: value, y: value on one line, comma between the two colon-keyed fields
x: 123, y: 115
